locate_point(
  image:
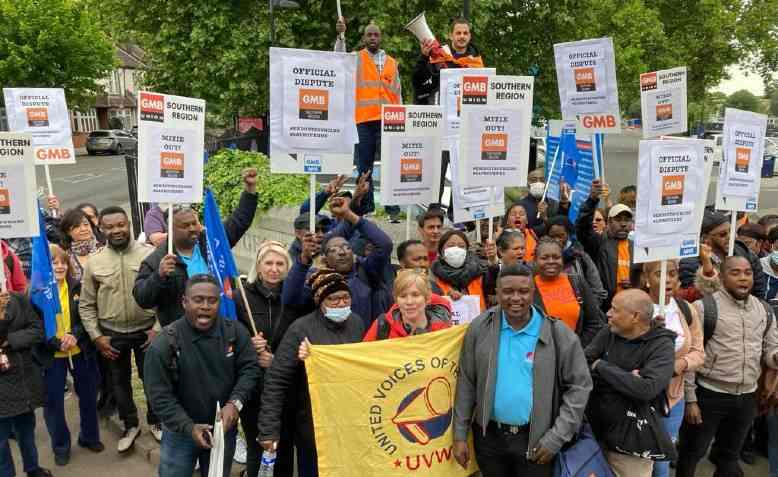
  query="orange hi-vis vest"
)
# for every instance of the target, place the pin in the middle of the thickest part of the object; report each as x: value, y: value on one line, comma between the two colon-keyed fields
x: 374, y: 89
x: 475, y: 287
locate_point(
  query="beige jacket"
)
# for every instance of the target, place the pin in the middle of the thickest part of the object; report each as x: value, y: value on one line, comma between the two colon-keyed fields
x: 689, y: 358
x: 738, y: 347
x: 106, y: 301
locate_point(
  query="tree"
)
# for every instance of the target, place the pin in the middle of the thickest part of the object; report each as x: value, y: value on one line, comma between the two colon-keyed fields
x: 744, y: 100
x: 774, y: 104
x: 53, y: 44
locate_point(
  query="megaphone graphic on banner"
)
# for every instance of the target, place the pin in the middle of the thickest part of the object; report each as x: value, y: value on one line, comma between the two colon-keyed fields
x: 418, y: 26
x: 425, y: 413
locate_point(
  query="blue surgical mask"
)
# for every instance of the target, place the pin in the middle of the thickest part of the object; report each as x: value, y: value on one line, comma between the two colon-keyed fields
x: 337, y: 315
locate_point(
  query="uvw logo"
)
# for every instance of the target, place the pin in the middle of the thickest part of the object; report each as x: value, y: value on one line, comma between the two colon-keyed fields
x: 425, y: 413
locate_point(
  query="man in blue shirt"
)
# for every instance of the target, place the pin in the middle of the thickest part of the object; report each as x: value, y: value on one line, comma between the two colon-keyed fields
x: 523, y: 384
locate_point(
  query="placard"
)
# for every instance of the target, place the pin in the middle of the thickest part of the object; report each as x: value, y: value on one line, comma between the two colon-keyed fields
x: 495, y: 130
x: 741, y: 165
x: 171, y: 133
x: 473, y: 203
x: 42, y: 113
x: 663, y: 102
x: 18, y: 202
x: 451, y: 97
x: 410, y: 154
x: 586, y: 75
x: 673, y: 178
x: 312, y: 128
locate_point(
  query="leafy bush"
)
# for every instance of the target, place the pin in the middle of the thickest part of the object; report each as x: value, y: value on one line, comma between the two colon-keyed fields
x: 222, y: 176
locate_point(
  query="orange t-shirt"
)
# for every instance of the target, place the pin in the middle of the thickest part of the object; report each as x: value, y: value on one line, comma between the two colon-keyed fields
x: 559, y: 299
x: 622, y: 267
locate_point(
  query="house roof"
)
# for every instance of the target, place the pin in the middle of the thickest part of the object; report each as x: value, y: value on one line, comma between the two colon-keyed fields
x: 131, y: 56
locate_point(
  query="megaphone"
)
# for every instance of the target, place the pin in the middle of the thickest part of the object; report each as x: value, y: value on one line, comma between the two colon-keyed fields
x: 418, y: 26
x: 433, y: 402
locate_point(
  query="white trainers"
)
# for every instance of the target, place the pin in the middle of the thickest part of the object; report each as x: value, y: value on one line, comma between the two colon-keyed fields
x: 156, y: 431
x: 128, y: 439
x: 240, y: 450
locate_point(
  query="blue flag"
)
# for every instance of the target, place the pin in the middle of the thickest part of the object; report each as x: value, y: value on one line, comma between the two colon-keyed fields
x: 220, y: 261
x: 44, y: 292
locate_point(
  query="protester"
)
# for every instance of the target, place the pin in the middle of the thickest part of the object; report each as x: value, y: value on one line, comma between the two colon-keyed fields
x: 377, y: 83
x: 155, y: 226
x: 21, y: 383
x: 301, y: 228
x: 611, y: 251
x: 363, y: 274
x: 196, y: 363
x: 412, y: 254
x: 70, y: 344
x: 517, y: 367
x: 740, y: 336
x: 576, y: 260
x: 91, y: 213
x: 516, y: 218
x: 510, y: 251
x: 78, y: 239
x: 271, y: 319
x: 119, y: 327
x: 332, y: 189
x: 598, y: 223
x: 628, y: 195
x: 333, y: 322
x: 768, y: 222
x: 430, y: 229
x: 538, y: 207
x: 15, y: 279
x: 565, y: 297
x: 458, y: 271
x: 752, y: 236
x: 770, y: 265
x: 685, y: 321
x: 700, y: 275
x: 416, y: 310
x: 162, y: 277
x: 631, y: 361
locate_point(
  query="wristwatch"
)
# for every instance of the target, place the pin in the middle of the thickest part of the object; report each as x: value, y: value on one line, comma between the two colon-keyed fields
x: 237, y: 403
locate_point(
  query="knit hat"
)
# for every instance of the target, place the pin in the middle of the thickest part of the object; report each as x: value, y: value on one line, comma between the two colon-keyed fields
x: 712, y: 219
x: 325, y: 282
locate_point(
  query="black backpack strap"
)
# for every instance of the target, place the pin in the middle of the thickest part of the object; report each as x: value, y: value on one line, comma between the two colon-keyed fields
x: 685, y: 309
x: 770, y: 314
x: 174, y: 349
x: 382, y: 331
x: 575, y: 283
x: 710, y: 317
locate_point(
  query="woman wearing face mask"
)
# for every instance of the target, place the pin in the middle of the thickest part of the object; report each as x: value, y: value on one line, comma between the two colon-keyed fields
x: 70, y: 344
x: 565, y: 297
x: 539, y: 208
x: 271, y: 319
x: 78, y: 239
x: 516, y: 218
x: 577, y: 261
x: 415, y: 311
x: 458, y: 271
x: 331, y: 323
x: 685, y: 321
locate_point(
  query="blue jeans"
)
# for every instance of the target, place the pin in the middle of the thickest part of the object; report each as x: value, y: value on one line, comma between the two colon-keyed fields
x: 179, y: 453
x: 369, y: 144
x: 85, y: 377
x: 23, y: 427
x: 772, y: 442
x: 672, y: 425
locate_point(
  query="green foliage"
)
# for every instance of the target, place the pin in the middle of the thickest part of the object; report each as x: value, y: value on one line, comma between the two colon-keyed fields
x: 744, y: 100
x: 223, y: 176
x: 774, y: 104
x: 53, y: 44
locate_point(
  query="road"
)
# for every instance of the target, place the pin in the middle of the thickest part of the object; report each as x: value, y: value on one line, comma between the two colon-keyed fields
x: 101, y: 180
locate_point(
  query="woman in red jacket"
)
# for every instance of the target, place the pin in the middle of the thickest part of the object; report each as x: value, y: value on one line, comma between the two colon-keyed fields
x: 416, y: 309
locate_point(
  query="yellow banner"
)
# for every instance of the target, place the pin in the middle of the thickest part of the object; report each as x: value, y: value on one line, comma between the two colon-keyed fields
x: 385, y: 408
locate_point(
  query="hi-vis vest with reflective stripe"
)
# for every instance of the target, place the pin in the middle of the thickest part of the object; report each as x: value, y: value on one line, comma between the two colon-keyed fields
x: 373, y: 89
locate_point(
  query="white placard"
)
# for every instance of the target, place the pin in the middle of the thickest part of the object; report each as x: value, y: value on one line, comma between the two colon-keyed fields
x: 18, y: 204
x: 43, y: 113
x: 451, y: 97
x: 741, y: 165
x: 473, y: 203
x: 673, y: 177
x: 586, y: 74
x: 663, y: 102
x: 171, y: 134
x: 410, y: 154
x: 465, y: 310
x: 312, y: 128
x: 495, y: 130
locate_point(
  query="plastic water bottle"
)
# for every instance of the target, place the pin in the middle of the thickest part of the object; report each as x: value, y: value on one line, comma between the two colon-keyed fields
x: 267, y: 463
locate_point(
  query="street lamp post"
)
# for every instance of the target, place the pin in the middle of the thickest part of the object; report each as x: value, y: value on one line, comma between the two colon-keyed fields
x: 288, y: 4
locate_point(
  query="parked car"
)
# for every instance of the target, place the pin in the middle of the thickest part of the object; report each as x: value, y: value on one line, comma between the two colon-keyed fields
x: 114, y: 141
x: 134, y: 132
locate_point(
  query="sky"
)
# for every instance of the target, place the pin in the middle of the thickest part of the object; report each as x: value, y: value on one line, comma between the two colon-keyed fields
x: 741, y: 80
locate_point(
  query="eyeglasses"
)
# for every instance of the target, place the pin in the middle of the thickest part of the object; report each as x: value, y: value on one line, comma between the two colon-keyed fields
x: 337, y: 300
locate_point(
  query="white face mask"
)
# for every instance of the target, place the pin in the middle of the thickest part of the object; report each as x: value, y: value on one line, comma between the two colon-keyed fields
x: 455, y: 256
x: 337, y: 315
x: 536, y: 189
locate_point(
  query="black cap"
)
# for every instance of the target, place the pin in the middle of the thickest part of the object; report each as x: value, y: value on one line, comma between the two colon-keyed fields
x: 302, y: 222
x: 712, y: 219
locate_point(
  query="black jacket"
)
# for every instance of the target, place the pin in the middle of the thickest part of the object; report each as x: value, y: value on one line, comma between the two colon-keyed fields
x: 151, y: 290
x: 268, y: 312
x: 44, y: 353
x: 687, y: 270
x: 601, y: 248
x: 615, y: 387
x: 578, y: 262
x: 426, y: 76
x: 590, y: 318
x: 286, y: 378
x: 530, y: 204
x: 210, y: 370
x: 21, y: 387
